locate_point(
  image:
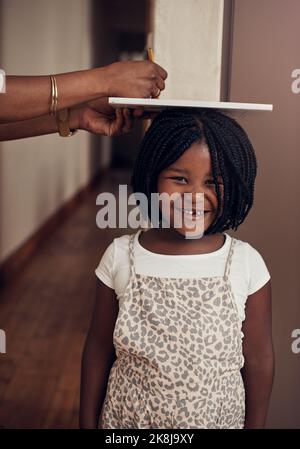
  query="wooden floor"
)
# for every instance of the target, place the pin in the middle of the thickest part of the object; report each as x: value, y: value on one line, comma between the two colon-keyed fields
x: 45, y: 314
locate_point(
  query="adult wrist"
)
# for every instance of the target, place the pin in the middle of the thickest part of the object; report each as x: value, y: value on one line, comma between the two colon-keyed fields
x: 101, y: 82
x: 74, y: 118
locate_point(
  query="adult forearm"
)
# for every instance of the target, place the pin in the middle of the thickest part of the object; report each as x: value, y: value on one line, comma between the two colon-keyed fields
x: 45, y: 124
x: 29, y: 96
x: 28, y: 128
x: 258, y: 380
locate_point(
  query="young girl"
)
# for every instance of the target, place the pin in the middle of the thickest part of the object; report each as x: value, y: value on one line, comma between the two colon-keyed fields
x: 181, y: 331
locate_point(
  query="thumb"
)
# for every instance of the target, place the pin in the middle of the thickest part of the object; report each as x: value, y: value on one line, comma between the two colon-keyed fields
x: 117, y: 124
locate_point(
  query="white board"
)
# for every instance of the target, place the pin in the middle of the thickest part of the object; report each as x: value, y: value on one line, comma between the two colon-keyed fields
x: 154, y: 104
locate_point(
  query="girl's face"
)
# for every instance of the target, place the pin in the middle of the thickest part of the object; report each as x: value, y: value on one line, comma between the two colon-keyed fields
x: 191, y: 173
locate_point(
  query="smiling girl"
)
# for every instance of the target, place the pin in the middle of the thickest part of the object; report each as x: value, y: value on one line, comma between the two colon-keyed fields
x: 180, y: 335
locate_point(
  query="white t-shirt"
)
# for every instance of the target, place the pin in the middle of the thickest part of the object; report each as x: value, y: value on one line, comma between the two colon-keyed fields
x: 248, y: 271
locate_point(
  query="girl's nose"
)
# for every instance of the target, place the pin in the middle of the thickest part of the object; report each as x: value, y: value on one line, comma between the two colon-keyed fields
x: 193, y: 195
x: 194, y: 189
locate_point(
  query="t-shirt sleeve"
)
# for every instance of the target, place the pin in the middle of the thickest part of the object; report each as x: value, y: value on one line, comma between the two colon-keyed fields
x: 105, y: 269
x: 258, y: 274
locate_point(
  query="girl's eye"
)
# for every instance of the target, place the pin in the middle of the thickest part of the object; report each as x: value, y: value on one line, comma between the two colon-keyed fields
x: 182, y: 180
x: 179, y: 178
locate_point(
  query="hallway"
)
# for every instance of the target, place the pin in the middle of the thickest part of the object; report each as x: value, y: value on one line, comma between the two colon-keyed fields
x: 45, y: 312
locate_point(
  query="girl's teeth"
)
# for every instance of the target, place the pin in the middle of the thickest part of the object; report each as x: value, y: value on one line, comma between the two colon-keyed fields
x: 190, y: 212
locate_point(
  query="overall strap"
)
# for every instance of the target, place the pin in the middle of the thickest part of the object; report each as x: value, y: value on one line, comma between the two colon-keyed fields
x: 229, y: 258
x: 131, y: 254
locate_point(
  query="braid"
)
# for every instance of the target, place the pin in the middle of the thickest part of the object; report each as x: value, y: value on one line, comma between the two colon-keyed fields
x: 232, y: 156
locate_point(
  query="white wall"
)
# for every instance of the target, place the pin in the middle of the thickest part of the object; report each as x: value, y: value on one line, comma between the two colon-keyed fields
x: 38, y: 175
x: 187, y: 42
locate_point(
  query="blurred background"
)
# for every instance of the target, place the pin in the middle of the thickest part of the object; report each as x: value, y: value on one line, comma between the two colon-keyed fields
x: 50, y: 245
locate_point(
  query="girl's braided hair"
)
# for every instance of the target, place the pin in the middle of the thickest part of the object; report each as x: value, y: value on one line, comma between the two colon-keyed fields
x: 173, y: 131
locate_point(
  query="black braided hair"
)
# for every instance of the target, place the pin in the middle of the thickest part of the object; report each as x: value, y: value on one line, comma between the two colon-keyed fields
x: 173, y: 131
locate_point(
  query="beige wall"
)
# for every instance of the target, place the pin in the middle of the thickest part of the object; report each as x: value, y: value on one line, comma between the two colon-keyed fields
x: 38, y: 175
x: 187, y: 42
x: 265, y: 51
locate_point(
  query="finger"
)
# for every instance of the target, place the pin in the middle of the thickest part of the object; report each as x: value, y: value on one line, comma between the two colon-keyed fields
x: 162, y: 72
x: 155, y: 91
x: 131, y: 113
x: 127, y: 121
x: 117, y: 124
x: 104, y: 129
x: 137, y: 113
x: 160, y: 83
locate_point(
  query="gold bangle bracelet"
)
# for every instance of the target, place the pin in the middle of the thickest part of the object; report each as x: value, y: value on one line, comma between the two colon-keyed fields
x: 62, y: 119
x: 54, y: 96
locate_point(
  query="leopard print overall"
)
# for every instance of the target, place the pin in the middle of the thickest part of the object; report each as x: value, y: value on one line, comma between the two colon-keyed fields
x: 179, y: 354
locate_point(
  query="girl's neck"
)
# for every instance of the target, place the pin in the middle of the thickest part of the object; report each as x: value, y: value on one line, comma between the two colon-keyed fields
x: 169, y: 241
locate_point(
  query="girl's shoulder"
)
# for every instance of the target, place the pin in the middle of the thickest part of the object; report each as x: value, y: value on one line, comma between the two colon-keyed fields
x: 251, y: 250
x: 114, y: 258
x: 256, y: 266
x: 118, y: 249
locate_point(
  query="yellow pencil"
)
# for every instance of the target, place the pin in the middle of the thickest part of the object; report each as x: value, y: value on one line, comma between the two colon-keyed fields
x: 150, y: 55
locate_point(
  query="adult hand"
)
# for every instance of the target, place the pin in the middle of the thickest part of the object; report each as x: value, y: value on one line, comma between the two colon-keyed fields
x: 137, y: 79
x: 95, y: 116
x: 98, y: 117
